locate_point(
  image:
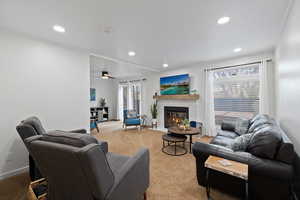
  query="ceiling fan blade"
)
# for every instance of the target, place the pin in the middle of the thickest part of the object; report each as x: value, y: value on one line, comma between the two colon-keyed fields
x: 109, y: 76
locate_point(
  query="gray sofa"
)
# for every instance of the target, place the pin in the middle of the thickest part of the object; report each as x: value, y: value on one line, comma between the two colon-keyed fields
x: 78, y: 166
x: 262, y: 145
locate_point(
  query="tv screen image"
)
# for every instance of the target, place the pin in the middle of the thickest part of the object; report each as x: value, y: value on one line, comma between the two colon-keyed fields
x: 172, y: 85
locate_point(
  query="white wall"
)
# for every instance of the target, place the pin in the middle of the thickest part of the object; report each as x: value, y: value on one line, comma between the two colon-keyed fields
x: 41, y: 79
x: 152, y: 85
x: 107, y: 89
x: 288, y: 77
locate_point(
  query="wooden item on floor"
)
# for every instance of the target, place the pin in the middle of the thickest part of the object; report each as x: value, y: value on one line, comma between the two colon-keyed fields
x: 35, y: 184
x: 236, y: 169
x: 177, y: 97
x: 190, y: 132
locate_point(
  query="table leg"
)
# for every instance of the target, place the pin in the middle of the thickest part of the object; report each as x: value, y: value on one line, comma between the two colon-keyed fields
x: 207, y: 184
x: 175, y: 148
x: 247, y: 190
x: 96, y: 126
x: 191, y: 142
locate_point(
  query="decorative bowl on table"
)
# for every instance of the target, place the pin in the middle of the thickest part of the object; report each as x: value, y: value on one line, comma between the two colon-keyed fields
x: 184, y: 128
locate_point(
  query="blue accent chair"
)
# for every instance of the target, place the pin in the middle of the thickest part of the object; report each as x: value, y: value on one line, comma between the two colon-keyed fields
x: 131, y: 120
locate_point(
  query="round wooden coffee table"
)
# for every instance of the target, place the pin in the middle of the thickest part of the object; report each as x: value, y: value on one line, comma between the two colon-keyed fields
x: 190, y: 132
x: 172, y: 141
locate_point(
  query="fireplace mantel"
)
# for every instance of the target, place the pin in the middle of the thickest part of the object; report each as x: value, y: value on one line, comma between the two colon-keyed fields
x: 177, y: 97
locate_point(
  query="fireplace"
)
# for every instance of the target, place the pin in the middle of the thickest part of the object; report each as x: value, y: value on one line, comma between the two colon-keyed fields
x: 174, y: 115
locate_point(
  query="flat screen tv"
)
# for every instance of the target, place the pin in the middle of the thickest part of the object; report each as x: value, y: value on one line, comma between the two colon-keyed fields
x: 172, y: 85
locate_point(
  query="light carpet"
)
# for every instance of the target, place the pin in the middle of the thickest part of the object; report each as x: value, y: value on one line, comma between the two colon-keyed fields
x: 171, y: 177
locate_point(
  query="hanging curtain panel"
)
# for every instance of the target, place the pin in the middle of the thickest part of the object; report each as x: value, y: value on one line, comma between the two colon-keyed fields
x: 208, y: 104
x: 267, y: 89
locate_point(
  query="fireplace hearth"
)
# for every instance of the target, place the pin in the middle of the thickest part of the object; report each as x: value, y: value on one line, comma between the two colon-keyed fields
x: 175, y: 115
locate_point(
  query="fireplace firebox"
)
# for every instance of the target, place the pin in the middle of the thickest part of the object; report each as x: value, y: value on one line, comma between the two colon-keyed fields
x: 175, y: 115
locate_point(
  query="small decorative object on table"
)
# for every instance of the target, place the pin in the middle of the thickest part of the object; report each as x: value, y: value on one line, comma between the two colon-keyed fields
x: 232, y: 168
x: 102, y: 102
x: 194, y: 91
x: 186, y: 124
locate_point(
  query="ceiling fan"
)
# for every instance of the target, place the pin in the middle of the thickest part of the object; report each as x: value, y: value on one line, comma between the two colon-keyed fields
x: 105, y: 75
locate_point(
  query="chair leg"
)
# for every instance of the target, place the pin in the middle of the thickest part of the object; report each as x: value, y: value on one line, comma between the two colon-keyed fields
x: 97, y: 127
x: 145, y: 196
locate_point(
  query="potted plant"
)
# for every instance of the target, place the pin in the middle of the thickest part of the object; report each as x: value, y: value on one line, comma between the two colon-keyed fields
x: 186, y: 124
x: 102, y: 102
x: 154, y: 112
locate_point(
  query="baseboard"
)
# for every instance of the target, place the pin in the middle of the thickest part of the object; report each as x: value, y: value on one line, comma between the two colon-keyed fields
x: 14, y: 172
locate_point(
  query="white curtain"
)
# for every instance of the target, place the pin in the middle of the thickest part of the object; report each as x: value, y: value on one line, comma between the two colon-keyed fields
x: 267, y: 88
x: 209, y: 124
x: 120, y: 103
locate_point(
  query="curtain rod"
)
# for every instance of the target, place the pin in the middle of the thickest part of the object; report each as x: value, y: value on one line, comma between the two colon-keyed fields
x: 137, y: 80
x: 240, y: 65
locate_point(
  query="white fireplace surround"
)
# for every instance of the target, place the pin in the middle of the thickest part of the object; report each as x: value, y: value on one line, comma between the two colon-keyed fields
x: 192, y: 105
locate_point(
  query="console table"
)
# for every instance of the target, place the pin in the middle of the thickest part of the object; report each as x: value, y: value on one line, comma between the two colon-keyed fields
x: 95, y: 113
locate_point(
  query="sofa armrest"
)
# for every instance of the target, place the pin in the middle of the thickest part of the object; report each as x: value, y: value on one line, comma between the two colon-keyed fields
x: 132, y: 179
x: 257, y: 166
x: 104, y: 146
x: 228, y: 124
x: 78, y: 131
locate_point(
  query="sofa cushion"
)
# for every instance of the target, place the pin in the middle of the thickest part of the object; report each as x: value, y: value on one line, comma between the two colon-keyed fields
x: 242, y: 126
x: 132, y: 121
x: 228, y: 124
x: 222, y: 141
x: 241, y: 143
x: 73, y: 139
x: 228, y: 134
x: 131, y: 114
x: 260, y: 122
x: 264, y: 142
x: 257, y: 117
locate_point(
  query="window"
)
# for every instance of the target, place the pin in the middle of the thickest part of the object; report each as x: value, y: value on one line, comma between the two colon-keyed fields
x: 129, y: 98
x: 236, y: 92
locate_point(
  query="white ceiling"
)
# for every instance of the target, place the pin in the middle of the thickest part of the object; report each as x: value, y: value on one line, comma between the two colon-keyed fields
x: 115, y: 68
x: 180, y: 32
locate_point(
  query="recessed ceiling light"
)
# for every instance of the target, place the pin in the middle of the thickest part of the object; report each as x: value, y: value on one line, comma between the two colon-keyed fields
x: 59, y: 29
x: 131, y: 53
x: 165, y: 65
x: 223, y: 20
x: 237, y: 50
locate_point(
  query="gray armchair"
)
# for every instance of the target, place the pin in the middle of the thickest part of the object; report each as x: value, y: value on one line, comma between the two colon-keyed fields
x: 79, y: 167
x: 30, y: 127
